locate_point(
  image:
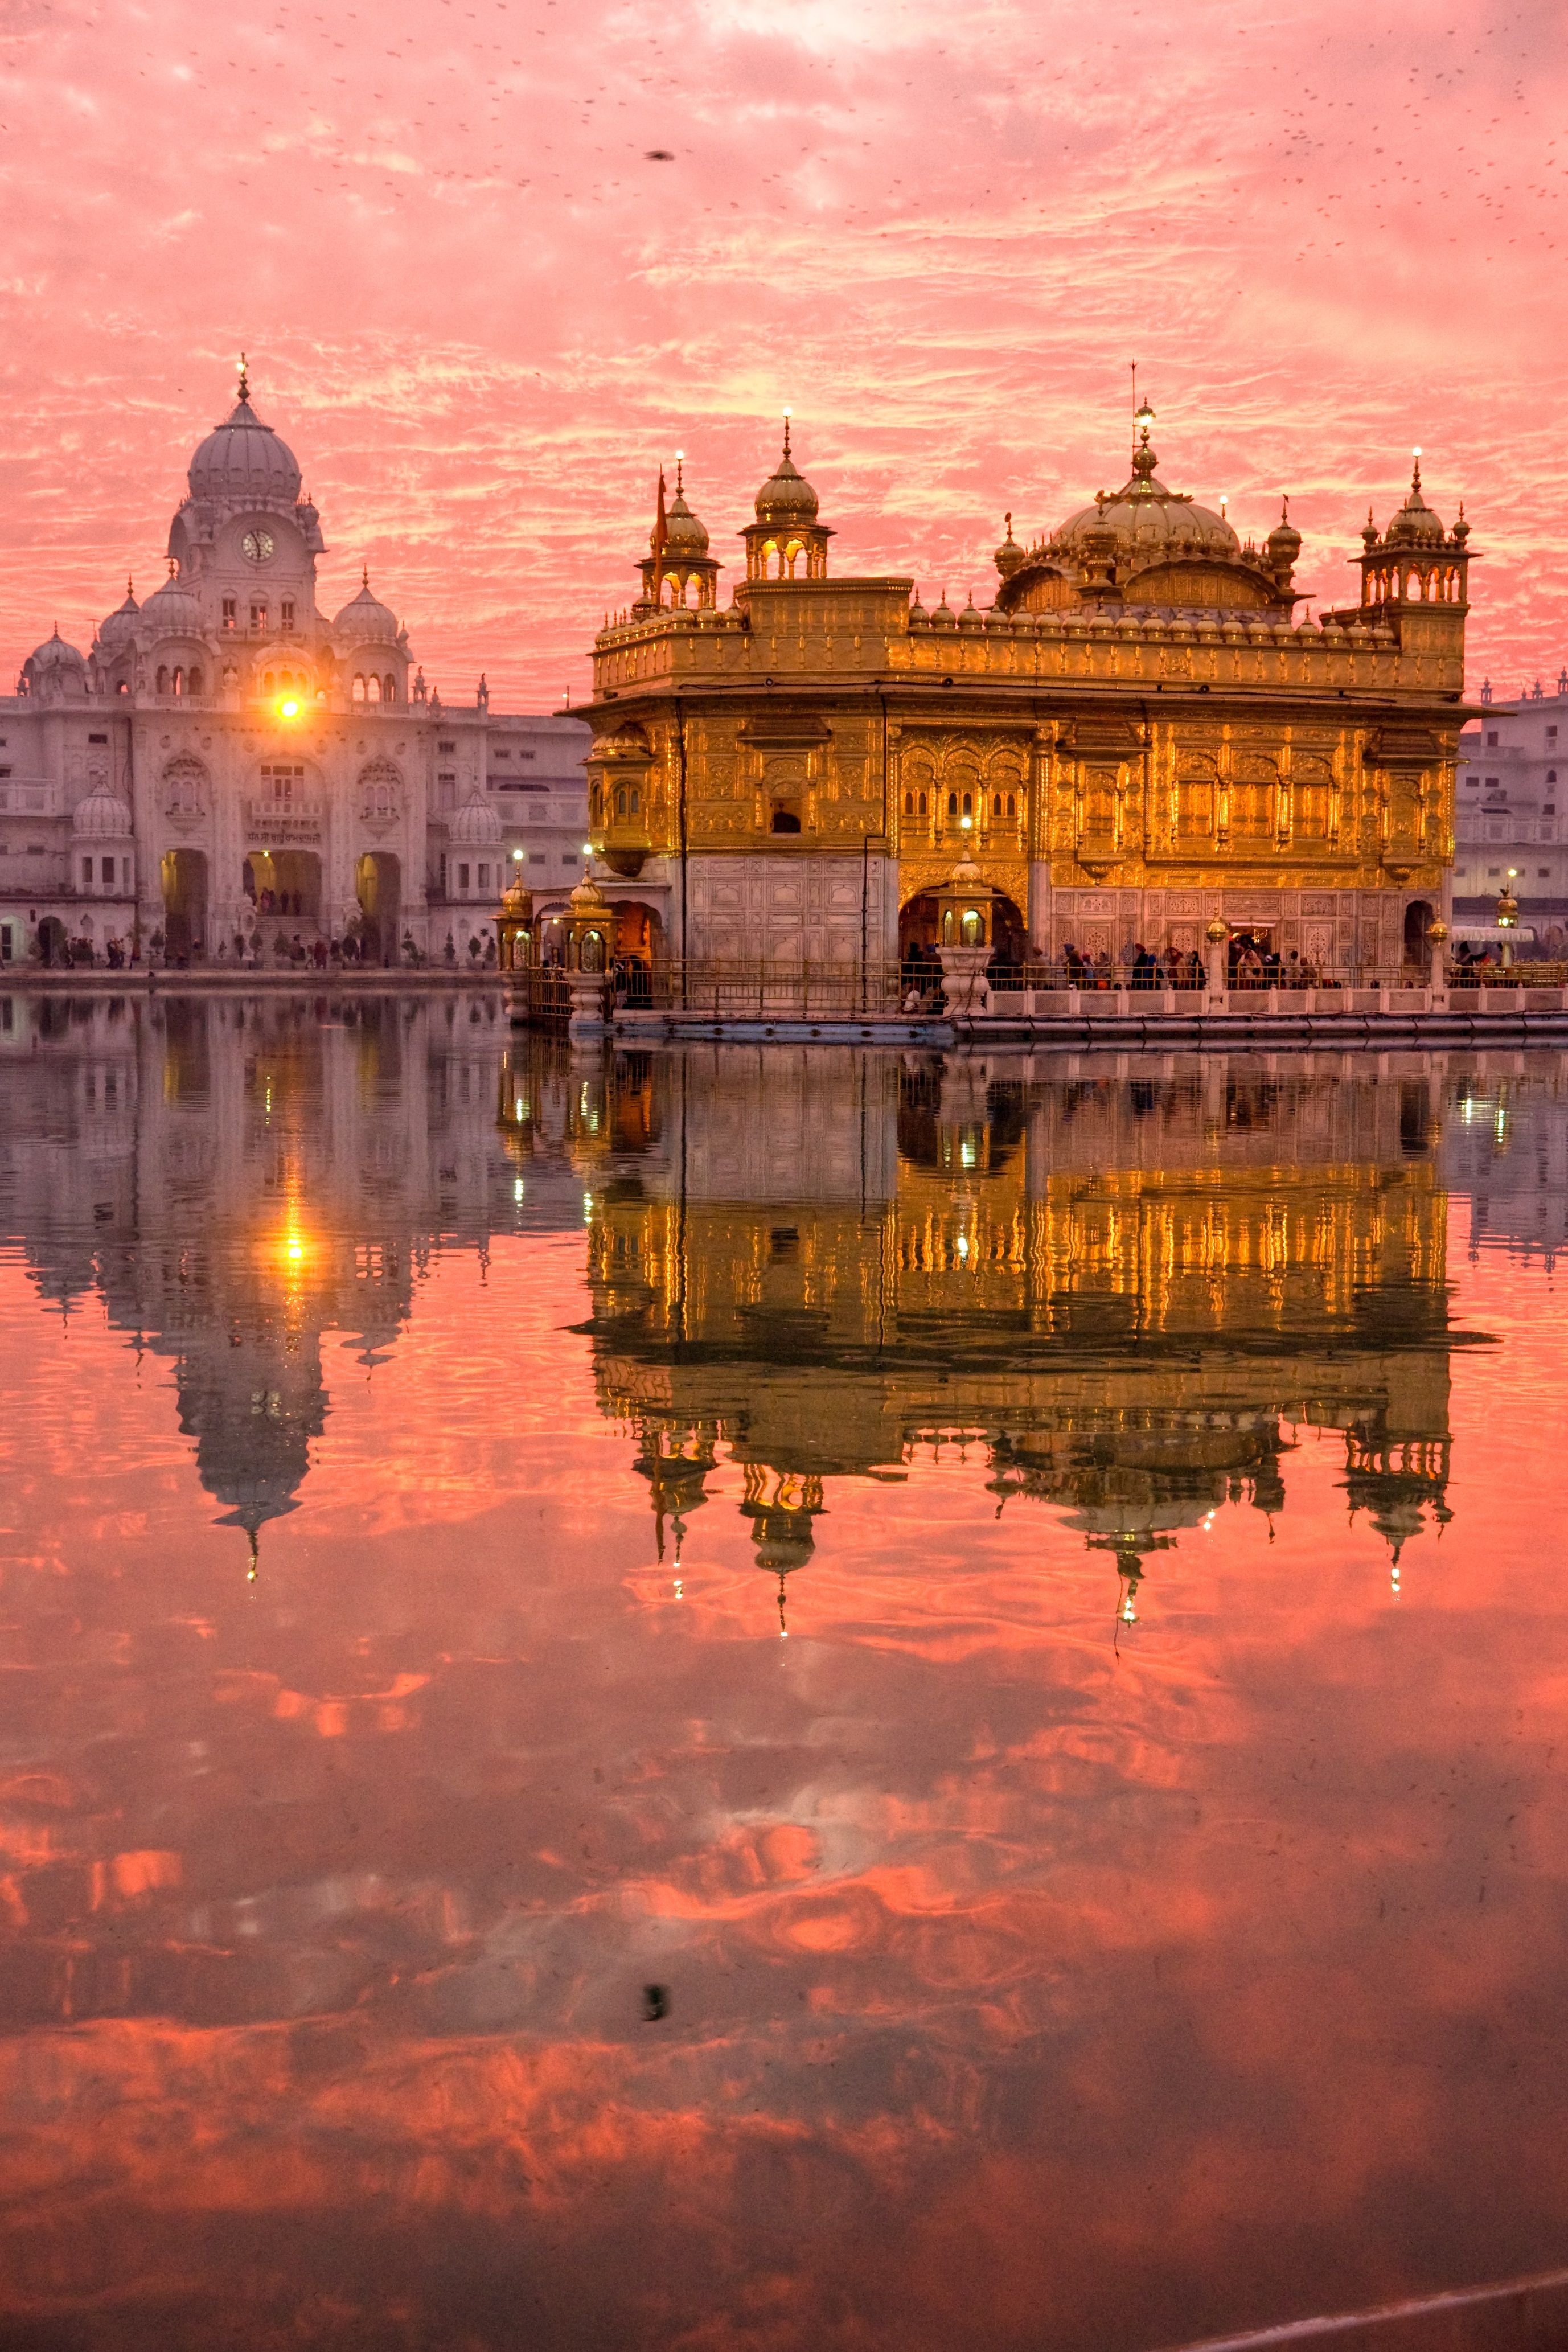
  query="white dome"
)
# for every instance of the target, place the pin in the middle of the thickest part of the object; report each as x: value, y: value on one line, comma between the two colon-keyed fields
x: 365, y: 617
x: 173, y: 611
x: 101, y: 817
x: 476, y: 825
x: 119, y: 628
x: 243, y: 463
x: 56, y: 668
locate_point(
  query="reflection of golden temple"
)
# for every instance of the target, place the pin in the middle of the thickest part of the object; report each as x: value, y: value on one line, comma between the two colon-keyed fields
x: 1129, y: 1295
x: 781, y: 1519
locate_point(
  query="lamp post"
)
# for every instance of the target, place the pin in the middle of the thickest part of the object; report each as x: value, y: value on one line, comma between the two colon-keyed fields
x: 1507, y: 915
x: 1218, y: 937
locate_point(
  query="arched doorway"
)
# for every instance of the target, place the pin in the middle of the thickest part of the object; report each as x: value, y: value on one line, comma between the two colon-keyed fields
x: 1418, y: 917
x: 284, y: 882
x: 637, y: 947
x: 918, y: 931
x: 378, y: 881
x: 52, y: 946
x: 185, y: 904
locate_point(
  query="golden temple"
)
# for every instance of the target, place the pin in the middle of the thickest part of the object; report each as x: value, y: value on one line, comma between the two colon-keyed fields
x: 1137, y: 734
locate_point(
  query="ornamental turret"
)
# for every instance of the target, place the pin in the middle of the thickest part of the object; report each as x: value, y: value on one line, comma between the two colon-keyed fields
x: 1416, y: 561
x: 786, y: 542
x: 678, y: 569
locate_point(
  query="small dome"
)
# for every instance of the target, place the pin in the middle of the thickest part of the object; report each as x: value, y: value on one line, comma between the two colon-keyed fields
x: 1415, y: 525
x: 1009, y: 555
x: 364, y: 617
x: 683, y: 531
x: 118, y: 629
x: 243, y: 463
x: 786, y: 496
x: 475, y: 825
x: 101, y: 816
x: 55, y: 670
x: 587, y: 898
x: 173, y: 611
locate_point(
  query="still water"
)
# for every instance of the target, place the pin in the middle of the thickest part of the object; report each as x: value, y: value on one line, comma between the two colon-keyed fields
x: 1022, y: 1598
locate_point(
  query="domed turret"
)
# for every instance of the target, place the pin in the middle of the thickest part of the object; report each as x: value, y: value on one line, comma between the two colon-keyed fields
x: 55, y: 672
x: 101, y: 816
x: 677, y: 561
x: 117, y: 631
x: 1009, y: 555
x: 475, y: 825
x: 1283, y: 545
x: 172, y: 611
x: 365, y: 618
x: 786, y: 542
x: 1415, y: 525
x: 786, y: 496
x: 243, y: 463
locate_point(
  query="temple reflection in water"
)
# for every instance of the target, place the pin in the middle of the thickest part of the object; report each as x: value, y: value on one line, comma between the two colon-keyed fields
x: 1123, y: 1295
x: 1122, y: 1289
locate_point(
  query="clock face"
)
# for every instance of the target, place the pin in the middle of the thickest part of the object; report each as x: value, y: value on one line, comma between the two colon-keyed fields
x: 256, y: 546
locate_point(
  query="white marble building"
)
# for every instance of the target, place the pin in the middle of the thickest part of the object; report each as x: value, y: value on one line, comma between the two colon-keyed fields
x: 1511, y: 817
x: 227, y: 773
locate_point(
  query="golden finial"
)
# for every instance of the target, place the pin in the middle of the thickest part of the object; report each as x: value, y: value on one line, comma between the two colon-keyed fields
x: 786, y: 432
x: 1416, y: 469
x: 243, y: 381
x: 679, y: 472
x: 364, y: 575
x: 173, y: 567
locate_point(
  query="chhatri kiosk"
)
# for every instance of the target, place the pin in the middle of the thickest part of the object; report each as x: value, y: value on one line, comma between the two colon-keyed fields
x: 1139, y: 734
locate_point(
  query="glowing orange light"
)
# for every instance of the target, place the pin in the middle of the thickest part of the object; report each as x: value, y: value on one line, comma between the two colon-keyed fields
x: 288, y: 708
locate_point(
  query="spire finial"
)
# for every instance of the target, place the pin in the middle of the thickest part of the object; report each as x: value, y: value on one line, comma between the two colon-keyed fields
x: 1416, y: 469
x: 1285, y: 507
x: 173, y: 567
x: 364, y: 575
x: 786, y: 432
x: 243, y: 381
x: 679, y: 472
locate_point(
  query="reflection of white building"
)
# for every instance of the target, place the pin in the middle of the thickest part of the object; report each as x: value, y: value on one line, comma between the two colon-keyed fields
x: 226, y: 765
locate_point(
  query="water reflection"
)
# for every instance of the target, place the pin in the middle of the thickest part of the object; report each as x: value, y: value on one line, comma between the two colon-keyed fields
x: 1111, y: 1916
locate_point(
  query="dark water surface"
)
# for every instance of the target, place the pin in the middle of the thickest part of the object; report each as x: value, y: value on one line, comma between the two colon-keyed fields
x: 1127, y: 1904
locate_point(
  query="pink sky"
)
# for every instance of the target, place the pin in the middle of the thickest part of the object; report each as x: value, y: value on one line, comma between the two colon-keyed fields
x: 482, y: 316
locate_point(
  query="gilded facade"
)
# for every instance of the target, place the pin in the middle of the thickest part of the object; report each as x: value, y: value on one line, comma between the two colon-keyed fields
x: 1138, y: 732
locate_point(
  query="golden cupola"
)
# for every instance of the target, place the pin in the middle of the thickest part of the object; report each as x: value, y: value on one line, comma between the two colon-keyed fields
x: 1145, y: 545
x: 786, y: 542
x: 678, y: 569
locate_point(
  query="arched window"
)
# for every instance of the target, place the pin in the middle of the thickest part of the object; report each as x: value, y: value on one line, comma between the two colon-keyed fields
x: 163, y: 679
x: 267, y: 683
x: 996, y: 804
x: 621, y: 802
x: 1012, y: 803
x: 1552, y: 775
x: 952, y: 804
x: 909, y: 804
x: 373, y: 687
x: 969, y: 803
x: 389, y: 688
x: 922, y: 805
x: 196, y: 680
x: 359, y: 686
x: 636, y: 802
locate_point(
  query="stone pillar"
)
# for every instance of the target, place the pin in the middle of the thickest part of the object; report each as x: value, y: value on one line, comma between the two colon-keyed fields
x: 587, y: 1015
x: 963, y: 981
